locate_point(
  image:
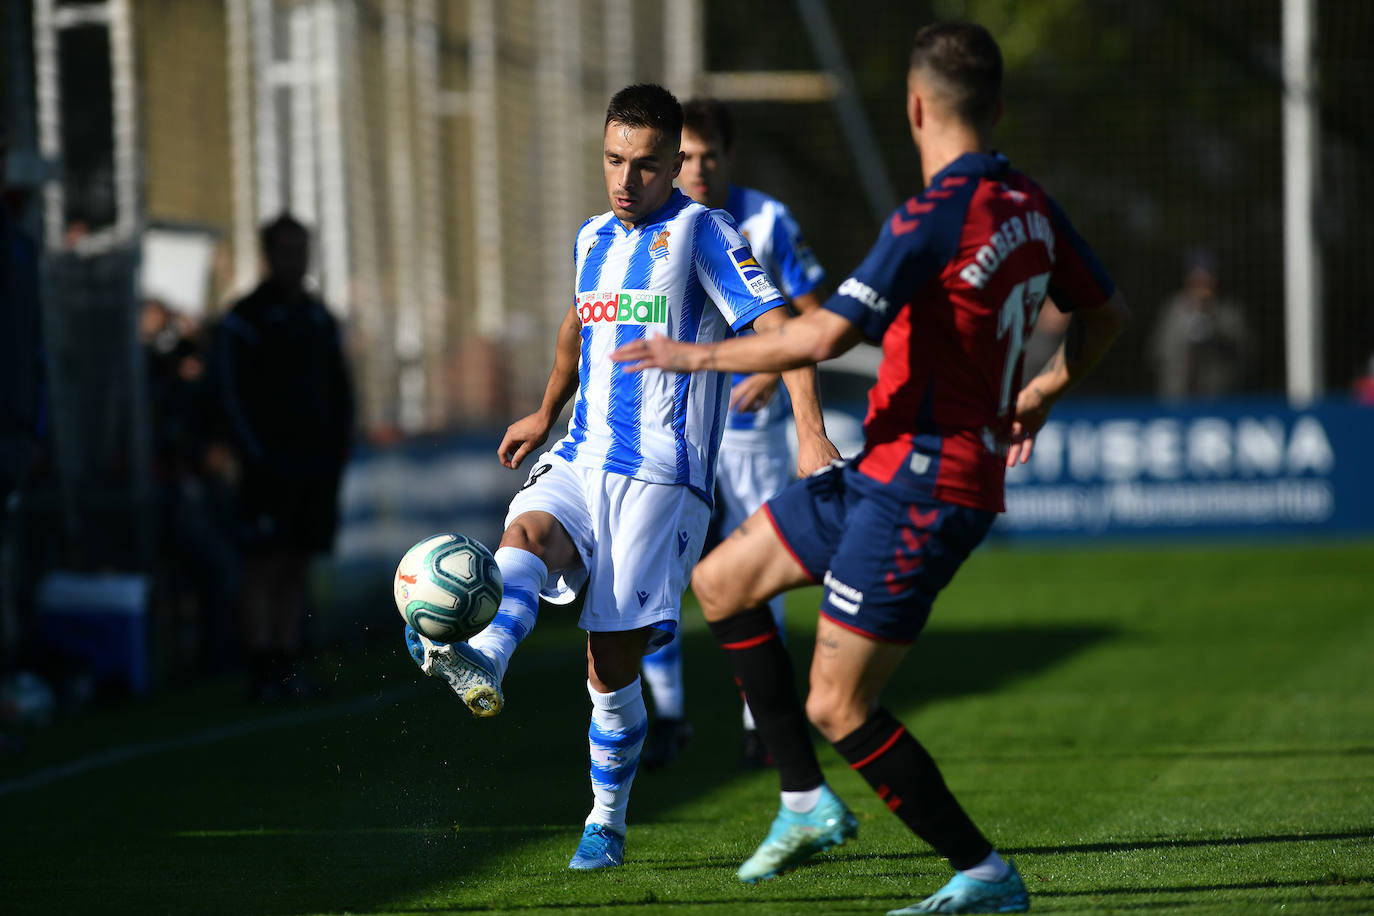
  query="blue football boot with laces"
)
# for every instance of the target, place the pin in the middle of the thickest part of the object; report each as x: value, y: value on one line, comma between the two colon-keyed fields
x: 601, y: 847
x: 470, y: 673
x: 794, y: 838
x: 969, y: 895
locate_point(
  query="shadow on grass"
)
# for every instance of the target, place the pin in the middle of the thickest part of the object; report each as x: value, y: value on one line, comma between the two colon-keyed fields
x: 401, y: 792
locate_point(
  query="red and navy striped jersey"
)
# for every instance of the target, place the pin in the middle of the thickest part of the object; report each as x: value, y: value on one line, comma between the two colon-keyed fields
x: 952, y: 289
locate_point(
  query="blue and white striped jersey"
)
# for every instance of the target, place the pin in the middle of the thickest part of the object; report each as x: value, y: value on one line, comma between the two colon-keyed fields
x: 685, y: 272
x: 779, y: 247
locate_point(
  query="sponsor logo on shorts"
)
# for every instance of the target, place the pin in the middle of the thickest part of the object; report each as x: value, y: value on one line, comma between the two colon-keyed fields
x: 846, y: 598
x: 623, y: 306
x: 643, y: 596
x: 683, y: 539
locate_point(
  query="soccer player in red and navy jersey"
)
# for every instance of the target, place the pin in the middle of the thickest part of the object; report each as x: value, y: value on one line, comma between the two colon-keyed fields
x: 951, y: 288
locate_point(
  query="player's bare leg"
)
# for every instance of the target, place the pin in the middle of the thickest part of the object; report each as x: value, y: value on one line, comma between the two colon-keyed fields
x: 733, y: 583
x: 619, y: 722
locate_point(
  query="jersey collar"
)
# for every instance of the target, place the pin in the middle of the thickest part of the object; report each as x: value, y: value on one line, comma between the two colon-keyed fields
x: 976, y: 165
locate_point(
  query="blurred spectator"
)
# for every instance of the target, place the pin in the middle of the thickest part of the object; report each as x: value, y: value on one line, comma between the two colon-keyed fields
x: 197, y: 573
x: 282, y: 385
x: 1362, y: 389
x: 22, y: 418
x: 1200, y: 346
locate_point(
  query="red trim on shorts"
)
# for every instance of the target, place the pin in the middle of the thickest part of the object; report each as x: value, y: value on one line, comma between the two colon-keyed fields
x: 844, y: 625
x: 751, y: 642
x: 783, y: 539
x: 880, y: 751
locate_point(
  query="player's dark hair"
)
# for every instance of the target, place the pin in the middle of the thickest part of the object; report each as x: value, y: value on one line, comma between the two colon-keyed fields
x: 271, y: 231
x: 647, y: 105
x: 709, y: 118
x: 966, y: 64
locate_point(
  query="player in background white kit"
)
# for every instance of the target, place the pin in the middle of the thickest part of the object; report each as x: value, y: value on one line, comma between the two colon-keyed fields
x: 754, y: 463
x: 621, y: 503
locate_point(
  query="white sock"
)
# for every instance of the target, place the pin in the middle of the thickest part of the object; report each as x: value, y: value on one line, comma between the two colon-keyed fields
x: 619, y: 723
x: 801, y: 802
x: 523, y: 576
x: 662, y: 671
x: 776, y: 607
x: 993, y: 868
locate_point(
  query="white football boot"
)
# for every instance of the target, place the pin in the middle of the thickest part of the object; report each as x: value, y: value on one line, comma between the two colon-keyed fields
x: 470, y: 673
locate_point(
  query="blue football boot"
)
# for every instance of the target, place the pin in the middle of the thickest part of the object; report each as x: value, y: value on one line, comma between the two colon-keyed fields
x: 969, y: 895
x: 601, y: 847
x: 794, y: 838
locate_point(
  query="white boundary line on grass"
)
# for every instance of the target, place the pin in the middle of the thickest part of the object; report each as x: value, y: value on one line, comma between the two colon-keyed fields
x: 118, y: 755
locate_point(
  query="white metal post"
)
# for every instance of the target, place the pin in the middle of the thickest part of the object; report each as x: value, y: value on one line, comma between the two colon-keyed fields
x: 560, y: 121
x: 619, y: 33
x: 682, y: 46
x: 332, y: 230
x: 433, y: 302
x: 486, y: 171
x: 299, y: 75
x: 401, y: 192
x: 265, y: 141
x: 1302, y: 258
x: 240, y: 64
x: 49, y: 117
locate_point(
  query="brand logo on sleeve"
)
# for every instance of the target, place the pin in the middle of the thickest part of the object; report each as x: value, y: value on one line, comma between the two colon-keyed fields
x: 751, y: 271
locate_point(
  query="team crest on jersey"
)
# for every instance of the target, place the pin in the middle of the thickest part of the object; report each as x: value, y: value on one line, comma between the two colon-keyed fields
x: 750, y: 271
x: 659, y: 249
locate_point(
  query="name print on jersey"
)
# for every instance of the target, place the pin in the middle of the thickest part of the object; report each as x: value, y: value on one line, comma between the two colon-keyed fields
x: 625, y: 306
x: 1011, y: 235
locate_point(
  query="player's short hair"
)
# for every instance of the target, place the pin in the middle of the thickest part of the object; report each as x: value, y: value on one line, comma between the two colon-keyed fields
x: 647, y: 105
x: 966, y: 66
x: 272, y: 230
x: 709, y: 118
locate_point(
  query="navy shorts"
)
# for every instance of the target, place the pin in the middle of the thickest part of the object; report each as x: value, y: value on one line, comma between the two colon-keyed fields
x: 881, y: 554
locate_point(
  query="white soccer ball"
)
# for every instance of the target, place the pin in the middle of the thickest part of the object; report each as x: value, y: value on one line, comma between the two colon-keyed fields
x: 448, y: 587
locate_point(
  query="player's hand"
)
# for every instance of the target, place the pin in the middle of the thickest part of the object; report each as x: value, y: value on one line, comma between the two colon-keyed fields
x: 814, y: 453
x: 522, y: 437
x: 659, y: 352
x: 1032, y: 410
x: 755, y: 391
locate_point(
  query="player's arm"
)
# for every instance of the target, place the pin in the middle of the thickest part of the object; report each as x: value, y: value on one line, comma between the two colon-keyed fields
x: 756, y: 390
x: 814, y: 448
x: 1086, y: 340
x: 528, y: 433
x: 781, y: 345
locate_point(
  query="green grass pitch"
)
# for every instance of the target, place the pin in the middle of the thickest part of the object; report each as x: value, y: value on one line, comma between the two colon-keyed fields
x: 1147, y: 729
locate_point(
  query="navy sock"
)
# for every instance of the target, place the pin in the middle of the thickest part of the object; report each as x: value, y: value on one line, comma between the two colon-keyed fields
x: 906, y: 778
x: 763, y: 671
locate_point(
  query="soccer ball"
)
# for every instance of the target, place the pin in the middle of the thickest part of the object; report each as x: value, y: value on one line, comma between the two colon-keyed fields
x: 448, y: 587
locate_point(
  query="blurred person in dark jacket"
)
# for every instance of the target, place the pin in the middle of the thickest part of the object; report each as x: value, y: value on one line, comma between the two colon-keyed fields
x: 286, y: 405
x: 21, y: 377
x: 1200, y: 348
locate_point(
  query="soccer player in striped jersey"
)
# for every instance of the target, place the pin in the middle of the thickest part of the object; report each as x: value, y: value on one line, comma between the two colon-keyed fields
x: 621, y: 503
x: 754, y: 462
x: 951, y: 288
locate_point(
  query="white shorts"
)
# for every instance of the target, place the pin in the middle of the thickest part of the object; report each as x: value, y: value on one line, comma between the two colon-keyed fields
x: 638, y: 542
x: 746, y: 478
